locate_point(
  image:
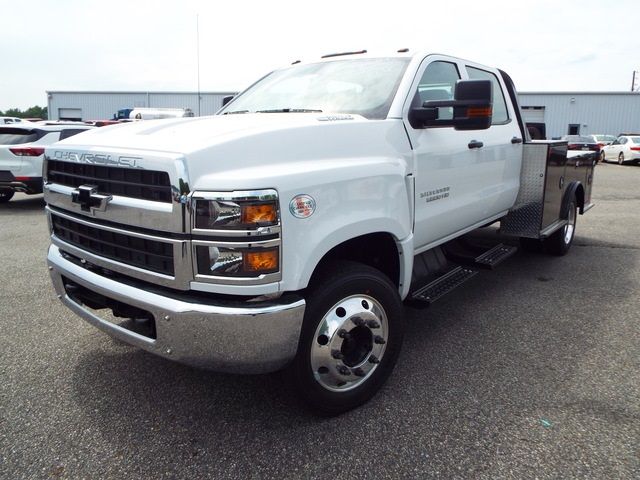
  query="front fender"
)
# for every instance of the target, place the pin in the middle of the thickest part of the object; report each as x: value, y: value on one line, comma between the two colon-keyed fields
x: 372, y: 199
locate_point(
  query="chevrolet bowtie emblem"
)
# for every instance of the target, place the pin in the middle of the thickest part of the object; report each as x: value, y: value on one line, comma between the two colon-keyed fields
x: 89, y: 199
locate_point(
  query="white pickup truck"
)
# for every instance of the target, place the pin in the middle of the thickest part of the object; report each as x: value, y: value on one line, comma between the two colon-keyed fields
x: 287, y: 230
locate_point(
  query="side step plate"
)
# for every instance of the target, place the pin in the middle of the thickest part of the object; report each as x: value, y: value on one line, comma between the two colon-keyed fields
x: 443, y: 285
x: 496, y: 255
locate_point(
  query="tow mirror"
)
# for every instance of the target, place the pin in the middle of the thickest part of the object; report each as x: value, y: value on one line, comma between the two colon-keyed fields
x: 227, y: 99
x: 472, y: 108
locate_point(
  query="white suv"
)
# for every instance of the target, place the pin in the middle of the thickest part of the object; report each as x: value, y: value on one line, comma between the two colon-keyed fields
x: 22, y: 151
x: 11, y: 120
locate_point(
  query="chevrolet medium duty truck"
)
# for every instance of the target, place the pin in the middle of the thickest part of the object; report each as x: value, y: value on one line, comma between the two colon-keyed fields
x: 288, y: 230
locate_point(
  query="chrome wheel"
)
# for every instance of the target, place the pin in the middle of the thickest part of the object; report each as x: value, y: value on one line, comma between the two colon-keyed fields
x: 570, y: 227
x: 349, y: 343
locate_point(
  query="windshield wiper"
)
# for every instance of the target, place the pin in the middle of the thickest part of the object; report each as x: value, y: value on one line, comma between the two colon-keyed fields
x: 289, y: 110
x: 236, y: 111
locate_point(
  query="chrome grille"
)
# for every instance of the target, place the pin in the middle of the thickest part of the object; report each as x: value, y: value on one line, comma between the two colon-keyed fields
x: 127, y: 182
x: 144, y: 253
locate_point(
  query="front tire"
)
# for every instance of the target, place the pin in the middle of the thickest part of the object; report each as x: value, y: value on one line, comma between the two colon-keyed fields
x: 560, y: 241
x: 5, y: 196
x: 350, y: 340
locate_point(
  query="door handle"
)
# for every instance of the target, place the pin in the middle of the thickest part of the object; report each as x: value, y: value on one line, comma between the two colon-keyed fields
x: 475, y: 144
x: 515, y: 140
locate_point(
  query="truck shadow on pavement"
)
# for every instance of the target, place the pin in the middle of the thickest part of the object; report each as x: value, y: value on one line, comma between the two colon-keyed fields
x: 478, y: 372
x: 23, y: 203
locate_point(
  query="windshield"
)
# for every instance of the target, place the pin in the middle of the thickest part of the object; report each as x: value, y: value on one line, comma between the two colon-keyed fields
x: 364, y: 86
x: 605, y: 138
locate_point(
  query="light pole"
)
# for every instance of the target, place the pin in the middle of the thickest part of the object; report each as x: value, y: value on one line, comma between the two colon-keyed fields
x: 198, y: 57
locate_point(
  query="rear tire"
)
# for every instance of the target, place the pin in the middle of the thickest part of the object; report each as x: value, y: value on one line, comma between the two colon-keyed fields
x: 560, y: 241
x: 351, y: 337
x: 621, y: 158
x: 6, y: 196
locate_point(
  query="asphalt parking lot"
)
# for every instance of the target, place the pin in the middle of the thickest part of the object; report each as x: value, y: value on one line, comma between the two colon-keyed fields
x: 530, y: 371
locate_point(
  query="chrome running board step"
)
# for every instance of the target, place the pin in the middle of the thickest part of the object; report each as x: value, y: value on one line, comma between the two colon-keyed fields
x: 495, y: 256
x: 442, y: 285
x: 470, y: 252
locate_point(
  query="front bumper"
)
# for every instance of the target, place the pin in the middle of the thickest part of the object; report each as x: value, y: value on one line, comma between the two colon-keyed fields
x: 247, y: 339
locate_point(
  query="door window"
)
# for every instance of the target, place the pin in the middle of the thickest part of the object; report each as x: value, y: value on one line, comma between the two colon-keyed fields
x: 438, y: 82
x: 500, y: 114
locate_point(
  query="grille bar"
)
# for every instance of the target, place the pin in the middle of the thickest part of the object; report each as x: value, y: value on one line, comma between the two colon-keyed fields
x: 128, y: 182
x: 144, y: 253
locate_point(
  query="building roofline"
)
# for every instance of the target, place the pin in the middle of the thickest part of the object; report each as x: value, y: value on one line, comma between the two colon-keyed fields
x: 139, y: 92
x: 580, y: 93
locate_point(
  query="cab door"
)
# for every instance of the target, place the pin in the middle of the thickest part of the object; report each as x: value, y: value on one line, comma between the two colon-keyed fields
x: 462, y: 178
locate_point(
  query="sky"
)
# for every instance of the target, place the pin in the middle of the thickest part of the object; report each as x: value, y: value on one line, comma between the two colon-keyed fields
x: 561, y: 45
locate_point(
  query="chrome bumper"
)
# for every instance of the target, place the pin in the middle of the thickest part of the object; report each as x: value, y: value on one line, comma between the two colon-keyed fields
x: 227, y: 339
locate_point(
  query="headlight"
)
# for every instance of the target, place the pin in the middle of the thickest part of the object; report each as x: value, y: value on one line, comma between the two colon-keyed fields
x: 237, y: 261
x: 235, y: 210
x: 236, y: 237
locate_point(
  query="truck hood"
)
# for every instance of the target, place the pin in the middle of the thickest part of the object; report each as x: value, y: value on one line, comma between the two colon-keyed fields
x: 248, y: 151
x: 187, y: 135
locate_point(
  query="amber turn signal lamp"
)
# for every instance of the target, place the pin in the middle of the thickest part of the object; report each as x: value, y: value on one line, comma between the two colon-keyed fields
x: 265, y: 213
x: 261, y: 261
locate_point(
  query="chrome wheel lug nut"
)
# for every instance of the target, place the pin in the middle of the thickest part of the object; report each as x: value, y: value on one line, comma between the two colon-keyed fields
x: 337, y: 354
x: 342, y: 370
x: 358, y: 372
x: 379, y: 340
x: 374, y: 359
x: 358, y: 321
x: 342, y: 333
x: 373, y: 324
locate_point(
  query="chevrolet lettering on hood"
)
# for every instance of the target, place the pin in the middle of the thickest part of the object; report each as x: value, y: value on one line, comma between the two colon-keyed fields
x: 97, y: 159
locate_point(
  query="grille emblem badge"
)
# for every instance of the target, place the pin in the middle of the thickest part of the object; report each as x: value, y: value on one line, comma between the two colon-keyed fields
x: 89, y: 199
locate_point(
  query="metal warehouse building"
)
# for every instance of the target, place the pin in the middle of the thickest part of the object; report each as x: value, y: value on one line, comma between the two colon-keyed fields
x: 583, y: 113
x: 103, y: 105
x: 562, y: 112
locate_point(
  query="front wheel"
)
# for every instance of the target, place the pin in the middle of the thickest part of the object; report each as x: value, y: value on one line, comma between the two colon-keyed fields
x: 560, y: 241
x: 350, y: 339
x: 5, y: 196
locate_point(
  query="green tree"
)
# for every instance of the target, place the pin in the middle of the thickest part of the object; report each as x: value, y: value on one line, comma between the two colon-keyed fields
x: 32, y: 112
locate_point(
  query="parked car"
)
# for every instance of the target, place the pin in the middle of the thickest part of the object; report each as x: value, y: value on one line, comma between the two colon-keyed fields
x: 582, y: 142
x: 602, y: 140
x: 22, y: 152
x: 11, y: 120
x: 624, y: 149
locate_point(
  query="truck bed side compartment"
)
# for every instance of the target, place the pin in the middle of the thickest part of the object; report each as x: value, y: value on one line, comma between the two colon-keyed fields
x: 545, y: 177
